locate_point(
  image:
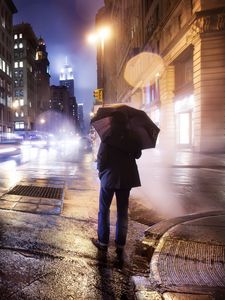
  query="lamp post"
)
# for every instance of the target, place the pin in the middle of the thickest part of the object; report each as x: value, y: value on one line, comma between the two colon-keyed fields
x: 98, y: 38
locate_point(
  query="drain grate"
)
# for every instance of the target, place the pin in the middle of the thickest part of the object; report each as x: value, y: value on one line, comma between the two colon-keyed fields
x: 37, y: 191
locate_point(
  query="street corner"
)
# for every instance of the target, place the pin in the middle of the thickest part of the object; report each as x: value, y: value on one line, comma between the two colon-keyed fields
x: 186, y: 254
x: 142, y: 289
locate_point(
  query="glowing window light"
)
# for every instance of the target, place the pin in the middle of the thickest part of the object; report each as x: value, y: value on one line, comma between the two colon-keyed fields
x: 186, y: 103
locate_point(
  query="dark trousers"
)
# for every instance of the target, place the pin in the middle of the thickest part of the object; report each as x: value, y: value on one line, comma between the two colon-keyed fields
x: 122, y: 201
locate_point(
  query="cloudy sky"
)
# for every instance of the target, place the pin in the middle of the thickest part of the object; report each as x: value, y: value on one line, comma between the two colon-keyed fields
x: 64, y: 25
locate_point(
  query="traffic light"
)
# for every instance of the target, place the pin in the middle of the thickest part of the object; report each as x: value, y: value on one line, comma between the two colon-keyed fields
x: 98, y: 94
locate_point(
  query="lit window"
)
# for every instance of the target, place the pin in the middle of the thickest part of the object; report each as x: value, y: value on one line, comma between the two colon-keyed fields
x: 20, y: 35
x: 19, y: 125
x: 16, y: 64
x: 15, y: 36
x: 3, y: 21
x: 20, y: 45
x: 16, y: 103
x: 21, y: 64
x: 16, y: 46
x: 21, y: 102
x: 22, y: 114
x: 7, y: 70
x: 3, y: 65
x: 17, y: 114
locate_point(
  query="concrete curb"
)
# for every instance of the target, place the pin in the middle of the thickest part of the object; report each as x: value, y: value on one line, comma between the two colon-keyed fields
x: 187, y: 256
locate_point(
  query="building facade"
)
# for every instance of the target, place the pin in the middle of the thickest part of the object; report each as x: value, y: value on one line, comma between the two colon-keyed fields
x: 187, y: 99
x: 66, y: 79
x: 7, y: 9
x: 24, y: 77
x: 42, y: 77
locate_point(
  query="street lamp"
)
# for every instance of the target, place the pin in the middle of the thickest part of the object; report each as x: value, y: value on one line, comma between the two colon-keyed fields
x: 99, y: 37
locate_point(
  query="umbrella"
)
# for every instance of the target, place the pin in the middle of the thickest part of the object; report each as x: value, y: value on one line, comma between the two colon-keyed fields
x: 125, y: 127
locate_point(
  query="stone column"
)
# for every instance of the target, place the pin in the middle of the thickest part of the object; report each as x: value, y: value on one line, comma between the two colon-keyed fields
x: 167, y: 123
x: 209, y: 91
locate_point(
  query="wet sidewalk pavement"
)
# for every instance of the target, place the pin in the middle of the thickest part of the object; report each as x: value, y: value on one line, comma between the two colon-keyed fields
x: 186, y: 254
x: 50, y: 256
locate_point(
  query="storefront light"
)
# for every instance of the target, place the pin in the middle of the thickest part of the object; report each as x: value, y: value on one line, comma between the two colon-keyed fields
x: 184, y: 104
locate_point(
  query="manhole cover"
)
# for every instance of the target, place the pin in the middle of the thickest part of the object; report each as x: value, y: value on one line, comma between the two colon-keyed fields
x: 37, y: 191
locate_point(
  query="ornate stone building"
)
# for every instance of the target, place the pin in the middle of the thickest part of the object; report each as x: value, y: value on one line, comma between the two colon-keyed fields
x: 6, y: 65
x: 42, y: 76
x: 187, y: 99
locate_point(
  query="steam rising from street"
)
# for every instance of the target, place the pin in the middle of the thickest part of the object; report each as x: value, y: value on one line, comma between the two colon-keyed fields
x: 156, y: 191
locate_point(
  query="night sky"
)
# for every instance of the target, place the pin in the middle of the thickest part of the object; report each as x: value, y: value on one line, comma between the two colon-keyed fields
x: 64, y: 25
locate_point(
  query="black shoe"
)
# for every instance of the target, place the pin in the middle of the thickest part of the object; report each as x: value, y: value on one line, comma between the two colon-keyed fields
x: 98, y: 245
x: 119, y: 263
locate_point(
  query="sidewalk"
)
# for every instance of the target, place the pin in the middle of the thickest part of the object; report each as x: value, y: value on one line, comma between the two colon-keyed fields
x: 186, y: 257
x: 45, y: 255
x: 186, y: 254
x: 50, y: 256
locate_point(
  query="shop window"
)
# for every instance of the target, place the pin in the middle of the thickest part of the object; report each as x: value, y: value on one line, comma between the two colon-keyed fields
x: 19, y: 125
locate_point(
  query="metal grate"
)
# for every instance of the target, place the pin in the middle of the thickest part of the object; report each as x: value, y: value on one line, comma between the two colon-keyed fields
x: 37, y: 191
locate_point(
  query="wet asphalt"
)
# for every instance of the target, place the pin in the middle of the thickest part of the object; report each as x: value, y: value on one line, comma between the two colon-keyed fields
x: 50, y: 256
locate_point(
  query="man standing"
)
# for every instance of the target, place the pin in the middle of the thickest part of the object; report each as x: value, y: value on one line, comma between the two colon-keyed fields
x: 118, y: 174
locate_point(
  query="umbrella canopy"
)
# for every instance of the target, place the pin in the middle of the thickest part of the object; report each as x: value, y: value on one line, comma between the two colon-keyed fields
x: 125, y: 127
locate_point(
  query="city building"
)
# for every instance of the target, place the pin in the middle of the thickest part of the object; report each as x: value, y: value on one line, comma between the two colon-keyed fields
x: 42, y: 77
x: 24, y: 77
x: 7, y: 8
x: 59, y: 99
x: 80, y: 117
x: 186, y: 99
x: 59, y: 108
x: 66, y: 79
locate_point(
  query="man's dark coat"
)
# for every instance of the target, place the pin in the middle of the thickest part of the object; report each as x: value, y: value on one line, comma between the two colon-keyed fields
x: 117, y: 168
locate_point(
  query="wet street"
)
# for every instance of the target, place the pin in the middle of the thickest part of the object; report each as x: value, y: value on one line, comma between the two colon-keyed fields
x: 45, y: 245
x: 49, y: 255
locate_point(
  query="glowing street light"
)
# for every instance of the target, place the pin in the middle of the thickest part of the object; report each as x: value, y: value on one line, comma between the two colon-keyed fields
x: 42, y: 121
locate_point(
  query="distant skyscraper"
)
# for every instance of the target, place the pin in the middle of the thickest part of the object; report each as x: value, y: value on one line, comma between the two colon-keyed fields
x: 66, y: 78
